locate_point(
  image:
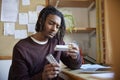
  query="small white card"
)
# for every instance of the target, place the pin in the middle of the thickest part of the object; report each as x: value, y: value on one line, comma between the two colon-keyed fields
x: 62, y: 48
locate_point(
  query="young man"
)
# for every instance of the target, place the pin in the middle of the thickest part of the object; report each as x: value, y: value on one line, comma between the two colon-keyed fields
x: 29, y: 54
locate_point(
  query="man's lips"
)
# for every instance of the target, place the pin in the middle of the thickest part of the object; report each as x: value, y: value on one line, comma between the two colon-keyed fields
x: 52, y: 34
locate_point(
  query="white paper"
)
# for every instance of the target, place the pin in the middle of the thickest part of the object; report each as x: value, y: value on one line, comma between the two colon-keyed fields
x: 25, y: 2
x: 32, y: 16
x: 31, y: 28
x: 20, y: 34
x: 9, y: 28
x: 23, y: 18
x: 95, y: 66
x: 39, y: 8
x: 104, y: 75
x: 9, y: 10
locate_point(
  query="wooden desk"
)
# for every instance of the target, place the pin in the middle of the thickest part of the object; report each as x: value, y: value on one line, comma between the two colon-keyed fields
x: 76, y: 75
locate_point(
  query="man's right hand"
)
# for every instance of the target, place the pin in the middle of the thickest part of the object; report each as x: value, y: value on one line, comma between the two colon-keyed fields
x: 50, y: 71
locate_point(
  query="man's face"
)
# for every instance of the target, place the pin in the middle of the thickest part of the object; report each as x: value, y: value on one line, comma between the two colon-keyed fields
x: 52, y: 25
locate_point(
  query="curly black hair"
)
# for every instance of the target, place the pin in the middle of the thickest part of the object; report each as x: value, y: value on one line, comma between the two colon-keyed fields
x: 42, y: 18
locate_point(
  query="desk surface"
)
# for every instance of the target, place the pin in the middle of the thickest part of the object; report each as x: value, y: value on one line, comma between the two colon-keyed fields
x: 77, y: 75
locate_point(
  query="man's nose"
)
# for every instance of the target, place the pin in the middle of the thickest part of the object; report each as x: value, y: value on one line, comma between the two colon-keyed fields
x: 54, y: 28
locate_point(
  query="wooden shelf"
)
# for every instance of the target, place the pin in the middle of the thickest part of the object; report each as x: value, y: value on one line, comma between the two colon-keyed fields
x: 5, y: 57
x: 81, y: 30
x: 71, y: 3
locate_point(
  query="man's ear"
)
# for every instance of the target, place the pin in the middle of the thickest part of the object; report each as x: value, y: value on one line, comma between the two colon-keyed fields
x: 58, y: 32
x: 40, y: 21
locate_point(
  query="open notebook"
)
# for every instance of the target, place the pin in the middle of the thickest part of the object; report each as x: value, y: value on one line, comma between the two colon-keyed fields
x: 94, y: 68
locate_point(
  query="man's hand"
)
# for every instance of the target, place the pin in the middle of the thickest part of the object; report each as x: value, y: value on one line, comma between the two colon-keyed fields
x: 73, y: 51
x: 50, y: 71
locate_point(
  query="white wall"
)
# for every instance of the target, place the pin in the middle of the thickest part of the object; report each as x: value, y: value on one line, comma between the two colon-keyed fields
x: 80, y: 16
x: 92, y: 49
x: 78, y: 37
x: 4, y: 69
x: 92, y: 17
x: 93, y: 43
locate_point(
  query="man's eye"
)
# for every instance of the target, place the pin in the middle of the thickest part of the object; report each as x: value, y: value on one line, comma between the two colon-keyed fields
x: 57, y: 27
x: 51, y: 23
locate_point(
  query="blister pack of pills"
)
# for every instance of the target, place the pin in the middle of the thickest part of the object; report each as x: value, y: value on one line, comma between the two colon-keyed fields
x: 51, y: 59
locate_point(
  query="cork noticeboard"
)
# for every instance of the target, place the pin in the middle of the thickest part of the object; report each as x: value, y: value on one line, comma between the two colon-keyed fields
x: 7, y: 42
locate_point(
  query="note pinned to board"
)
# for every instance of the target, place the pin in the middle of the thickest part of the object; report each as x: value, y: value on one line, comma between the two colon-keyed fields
x: 23, y: 18
x: 9, y: 11
x: 39, y: 8
x: 25, y: 2
x: 32, y: 17
x: 20, y: 34
x: 31, y: 28
x: 9, y: 29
